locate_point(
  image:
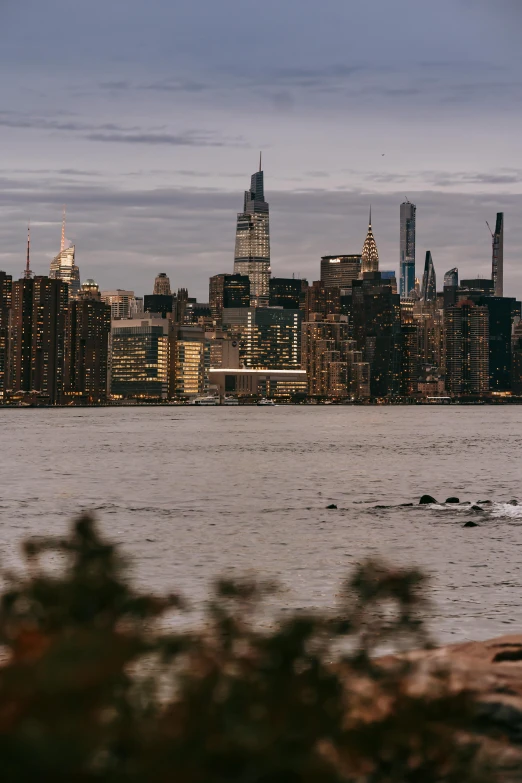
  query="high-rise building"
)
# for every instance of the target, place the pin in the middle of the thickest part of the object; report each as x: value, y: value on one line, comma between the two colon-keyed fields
x: 407, y: 248
x: 429, y: 281
x: 370, y: 254
x: 318, y: 299
x: 122, y: 303
x: 324, y: 347
x: 159, y: 303
x: 501, y: 310
x: 227, y: 291
x: 162, y: 285
x: 390, y: 277
x: 252, y: 251
x: 516, y: 358
x: 288, y: 292
x: 139, y: 358
x: 377, y: 331
x: 6, y: 284
x: 339, y: 271
x: 189, y: 361
x: 63, y: 266
x: 269, y: 337
x: 497, y: 264
x: 466, y: 333
x: 451, y: 282
x: 87, y: 346
x: 39, y: 310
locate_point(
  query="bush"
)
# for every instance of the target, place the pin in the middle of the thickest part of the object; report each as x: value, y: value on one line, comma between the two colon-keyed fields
x: 96, y: 685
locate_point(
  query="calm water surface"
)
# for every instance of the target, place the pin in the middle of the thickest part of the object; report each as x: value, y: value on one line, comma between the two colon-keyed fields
x: 192, y: 493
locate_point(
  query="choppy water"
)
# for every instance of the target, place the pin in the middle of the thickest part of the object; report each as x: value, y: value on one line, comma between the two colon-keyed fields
x: 192, y: 493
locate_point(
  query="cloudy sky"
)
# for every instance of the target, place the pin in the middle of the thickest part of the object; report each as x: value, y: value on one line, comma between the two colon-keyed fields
x: 146, y: 119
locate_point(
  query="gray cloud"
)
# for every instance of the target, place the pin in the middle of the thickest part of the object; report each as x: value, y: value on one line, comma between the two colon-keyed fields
x: 190, y: 139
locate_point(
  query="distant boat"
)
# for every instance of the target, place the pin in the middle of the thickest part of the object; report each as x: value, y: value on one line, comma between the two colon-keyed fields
x: 264, y: 401
x: 210, y: 400
x: 231, y: 401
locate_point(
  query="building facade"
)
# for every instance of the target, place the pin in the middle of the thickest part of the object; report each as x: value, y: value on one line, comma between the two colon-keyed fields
x: 407, y: 248
x: 252, y: 251
x: 139, y: 358
x: 227, y: 291
x: 122, y: 303
x: 87, y: 347
x: 268, y: 337
x: 466, y: 335
x: 162, y: 285
x: 38, y: 333
x: 287, y: 292
x: 429, y: 281
x: 497, y: 264
x: 339, y: 271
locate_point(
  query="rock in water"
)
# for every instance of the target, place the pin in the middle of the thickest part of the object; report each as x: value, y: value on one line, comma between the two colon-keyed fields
x: 332, y: 505
x: 478, y: 509
x: 452, y: 500
x: 470, y: 524
x: 426, y: 500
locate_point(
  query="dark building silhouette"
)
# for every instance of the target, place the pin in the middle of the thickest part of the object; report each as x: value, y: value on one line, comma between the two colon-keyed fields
x: 451, y: 282
x: 410, y: 363
x: 429, y: 280
x: 377, y: 331
x: 407, y: 248
x: 159, y: 303
x: 497, y: 263
x: 501, y: 313
x: 6, y: 284
x: 39, y: 313
x: 287, y: 292
x: 466, y: 334
x: 227, y: 291
x: 325, y: 301
x: 87, y: 348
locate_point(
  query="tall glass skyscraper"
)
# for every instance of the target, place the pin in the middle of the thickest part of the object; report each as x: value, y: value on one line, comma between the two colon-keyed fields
x: 429, y: 281
x: 252, y: 253
x: 497, y: 272
x: 407, y: 262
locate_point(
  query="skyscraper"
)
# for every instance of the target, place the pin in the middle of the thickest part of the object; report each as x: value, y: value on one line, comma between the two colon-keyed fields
x: 162, y: 285
x: 407, y: 248
x: 429, y: 282
x: 466, y: 333
x: 339, y: 271
x: 227, y: 291
x: 139, y: 358
x: 370, y: 254
x: 87, y: 346
x: 6, y: 284
x: 63, y: 266
x: 497, y: 266
x: 252, y: 252
x: 451, y: 278
x: 39, y: 312
x: 288, y: 292
x: 269, y: 337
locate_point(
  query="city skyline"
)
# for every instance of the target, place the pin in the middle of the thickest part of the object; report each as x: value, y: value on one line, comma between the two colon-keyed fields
x: 150, y: 157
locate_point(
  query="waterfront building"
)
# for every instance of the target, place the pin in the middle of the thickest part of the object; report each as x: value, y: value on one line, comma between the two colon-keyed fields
x: 6, y: 285
x: 252, y: 251
x: 189, y: 361
x: 227, y: 291
x: 123, y: 303
x: 407, y: 248
x: 370, y: 254
x: 325, y: 343
x: 87, y: 346
x: 162, y: 285
x: 516, y: 357
x: 288, y: 292
x: 497, y: 264
x: 466, y: 332
x: 246, y: 382
x: 339, y: 271
x: 429, y: 281
x: 269, y: 337
x: 38, y: 327
x: 501, y: 312
x: 376, y: 316
x: 139, y: 358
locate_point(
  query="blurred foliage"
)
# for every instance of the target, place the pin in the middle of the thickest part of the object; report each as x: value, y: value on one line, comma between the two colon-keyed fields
x: 95, y: 685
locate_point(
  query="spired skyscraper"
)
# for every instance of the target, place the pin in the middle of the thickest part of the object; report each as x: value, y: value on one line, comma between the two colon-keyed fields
x: 407, y: 265
x: 252, y: 253
x: 64, y: 268
x: 370, y: 254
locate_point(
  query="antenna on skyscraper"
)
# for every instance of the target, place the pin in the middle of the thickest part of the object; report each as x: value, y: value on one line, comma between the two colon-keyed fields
x: 490, y: 231
x: 28, y: 273
x: 62, y: 243
x: 370, y: 215
x: 260, y: 161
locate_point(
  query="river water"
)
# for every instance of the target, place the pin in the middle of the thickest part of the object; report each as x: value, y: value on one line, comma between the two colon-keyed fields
x: 192, y: 493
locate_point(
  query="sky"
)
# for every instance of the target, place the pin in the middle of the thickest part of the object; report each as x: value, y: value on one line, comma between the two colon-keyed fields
x: 146, y: 120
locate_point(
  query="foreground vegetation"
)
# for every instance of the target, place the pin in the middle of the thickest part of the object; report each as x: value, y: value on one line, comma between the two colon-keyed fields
x: 99, y: 682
